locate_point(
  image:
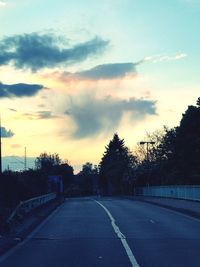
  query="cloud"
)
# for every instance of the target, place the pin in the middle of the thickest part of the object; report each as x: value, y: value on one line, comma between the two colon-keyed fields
x: 102, y: 72
x: 41, y: 106
x: 19, y: 90
x: 163, y: 58
x: 45, y: 114
x: 109, y: 71
x: 12, y: 109
x: 2, y: 4
x: 40, y: 115
x: 112, y: 71
x: 6, y: 133
x: 36, y: 51
x: 93, y: 116
x: 15, y: 146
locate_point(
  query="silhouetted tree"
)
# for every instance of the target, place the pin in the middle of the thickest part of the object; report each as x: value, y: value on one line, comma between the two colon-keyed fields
x: 46, y: 162
x: 175, y: 159
x: 147, y: 164
x: 198, y: 102
x: 87, y: 180
x: 186, y: 152
x: 116, y: 167
x: 67, y: 173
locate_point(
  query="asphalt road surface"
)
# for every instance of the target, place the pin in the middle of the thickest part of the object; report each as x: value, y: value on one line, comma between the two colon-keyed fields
x: 110, y: 232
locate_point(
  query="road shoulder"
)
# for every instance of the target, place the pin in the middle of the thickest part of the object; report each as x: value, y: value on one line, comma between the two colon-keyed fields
x: 188, y: 207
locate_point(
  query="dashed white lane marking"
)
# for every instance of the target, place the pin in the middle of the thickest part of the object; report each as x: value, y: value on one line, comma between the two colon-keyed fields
x: 119, y: 234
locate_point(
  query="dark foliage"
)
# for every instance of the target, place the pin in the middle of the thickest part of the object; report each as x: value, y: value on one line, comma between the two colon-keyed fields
x: 86, y: 181
x: 47, y: 162
x: 186, y: 154
x: 116, y: 168
x: 176, y: 158
x: 19, y: 186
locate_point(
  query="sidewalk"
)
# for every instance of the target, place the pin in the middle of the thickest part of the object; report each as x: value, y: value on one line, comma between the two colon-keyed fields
x: 188, y: 207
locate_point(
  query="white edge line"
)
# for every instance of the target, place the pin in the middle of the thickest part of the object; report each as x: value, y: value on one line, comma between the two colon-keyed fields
x: 18, y: 246
x: 119, y: 234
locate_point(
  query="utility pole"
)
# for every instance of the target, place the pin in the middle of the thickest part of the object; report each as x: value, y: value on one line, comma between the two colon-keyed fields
x: 25, y: 159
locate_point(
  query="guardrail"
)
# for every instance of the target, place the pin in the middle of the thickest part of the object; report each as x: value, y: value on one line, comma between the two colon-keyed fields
x: 190, y: 192
x: 28, y: 205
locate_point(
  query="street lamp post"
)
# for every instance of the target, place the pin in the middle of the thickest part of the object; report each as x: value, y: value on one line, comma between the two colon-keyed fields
x: 147, y: 143
x: 147, y: 155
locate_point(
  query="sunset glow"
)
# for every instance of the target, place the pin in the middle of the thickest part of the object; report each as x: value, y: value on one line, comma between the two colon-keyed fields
x: 72, y: 73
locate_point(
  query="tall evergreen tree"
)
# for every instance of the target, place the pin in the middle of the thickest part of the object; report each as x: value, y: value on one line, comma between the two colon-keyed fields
x: 116, y: 167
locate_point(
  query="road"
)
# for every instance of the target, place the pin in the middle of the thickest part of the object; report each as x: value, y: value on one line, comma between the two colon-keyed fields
x: 110, y: 232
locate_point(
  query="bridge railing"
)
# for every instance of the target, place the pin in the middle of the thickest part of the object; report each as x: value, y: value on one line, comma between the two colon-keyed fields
x: 26, y: 206
x: 190, y: 192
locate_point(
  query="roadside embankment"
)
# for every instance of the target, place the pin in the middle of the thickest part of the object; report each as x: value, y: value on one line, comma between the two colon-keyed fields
x: 12, y: 236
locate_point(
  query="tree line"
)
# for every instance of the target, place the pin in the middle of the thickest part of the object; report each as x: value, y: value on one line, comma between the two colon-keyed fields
x: 18, y: 186
x: 173, y: 157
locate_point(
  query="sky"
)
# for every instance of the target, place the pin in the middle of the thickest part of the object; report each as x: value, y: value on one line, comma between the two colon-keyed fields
x: 73, y: 73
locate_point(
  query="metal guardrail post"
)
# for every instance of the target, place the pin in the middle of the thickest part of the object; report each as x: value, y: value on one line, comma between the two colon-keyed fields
x: 28, y: 205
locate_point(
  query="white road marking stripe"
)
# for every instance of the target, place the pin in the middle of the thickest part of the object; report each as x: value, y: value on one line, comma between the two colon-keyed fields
x: 125, y: 244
